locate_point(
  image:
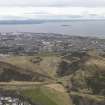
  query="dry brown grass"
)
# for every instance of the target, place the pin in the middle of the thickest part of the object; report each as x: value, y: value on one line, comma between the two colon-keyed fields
x: 47, y: 66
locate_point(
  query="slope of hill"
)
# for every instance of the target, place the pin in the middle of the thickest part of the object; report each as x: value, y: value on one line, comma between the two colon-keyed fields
x: 43, y: 64
x: 9, y: 72
x: 80, y: 75
x: 86, y: 72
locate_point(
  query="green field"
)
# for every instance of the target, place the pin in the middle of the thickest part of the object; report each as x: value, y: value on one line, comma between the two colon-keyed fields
x: 47, y: 96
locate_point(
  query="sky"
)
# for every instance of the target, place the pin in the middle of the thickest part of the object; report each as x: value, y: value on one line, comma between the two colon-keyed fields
x: 51, y: 9
x: 81, y: 3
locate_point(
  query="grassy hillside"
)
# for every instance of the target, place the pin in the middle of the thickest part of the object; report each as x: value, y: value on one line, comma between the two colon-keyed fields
x: 82, y: 74
x: 47, y: 65
x: 86, y: 77
x: 39, y: 67
x: 47, y: 96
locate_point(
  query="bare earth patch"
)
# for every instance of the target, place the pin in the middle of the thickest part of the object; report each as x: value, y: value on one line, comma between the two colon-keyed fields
x: 56, y: 87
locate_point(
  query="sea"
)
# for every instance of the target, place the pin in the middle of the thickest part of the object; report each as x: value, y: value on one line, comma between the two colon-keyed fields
x: 93, y: 28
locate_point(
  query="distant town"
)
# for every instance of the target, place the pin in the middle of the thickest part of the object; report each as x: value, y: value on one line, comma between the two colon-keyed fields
x: 33, y: 43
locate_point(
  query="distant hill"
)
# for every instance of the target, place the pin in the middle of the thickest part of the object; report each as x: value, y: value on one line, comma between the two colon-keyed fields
x: 21, y: 21
x: 36, y: 21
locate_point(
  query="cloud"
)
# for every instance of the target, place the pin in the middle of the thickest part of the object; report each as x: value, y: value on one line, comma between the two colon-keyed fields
x: 81, y: 3
x: 20, y: 13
